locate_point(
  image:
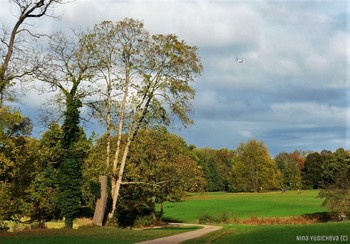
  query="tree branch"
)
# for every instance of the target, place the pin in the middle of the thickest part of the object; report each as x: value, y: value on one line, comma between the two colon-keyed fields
x: 145, y: 183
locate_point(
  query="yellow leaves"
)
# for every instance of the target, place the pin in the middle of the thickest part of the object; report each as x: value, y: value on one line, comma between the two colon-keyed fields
x: 5, y: 166
x: 254, y: 167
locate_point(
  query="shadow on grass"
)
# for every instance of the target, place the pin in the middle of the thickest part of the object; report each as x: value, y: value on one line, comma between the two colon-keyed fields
x: 170, y: 220
x: 320, y: 216
x: 312, y: 218
x: 323, y: 217
x: 178, y: 228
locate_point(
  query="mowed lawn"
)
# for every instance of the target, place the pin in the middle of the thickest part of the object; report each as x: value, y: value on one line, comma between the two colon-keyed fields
x: 248, y: 234
x: 93, y: 235
x: 244, y: 205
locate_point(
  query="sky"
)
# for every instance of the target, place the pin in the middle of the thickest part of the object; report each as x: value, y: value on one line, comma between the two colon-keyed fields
x: 292, y: 92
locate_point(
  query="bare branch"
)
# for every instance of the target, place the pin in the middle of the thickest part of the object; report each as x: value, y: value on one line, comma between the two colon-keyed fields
x: 32, y: 34
x: 27, y: 9
x: 158, y: 184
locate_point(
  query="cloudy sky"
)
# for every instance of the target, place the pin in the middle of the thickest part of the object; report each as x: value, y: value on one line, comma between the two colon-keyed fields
x: 292, y: 90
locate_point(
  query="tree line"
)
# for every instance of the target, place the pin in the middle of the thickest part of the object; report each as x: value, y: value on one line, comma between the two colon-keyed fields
x: 250, y: 168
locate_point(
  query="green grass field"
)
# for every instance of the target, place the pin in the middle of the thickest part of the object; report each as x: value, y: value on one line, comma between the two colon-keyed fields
x: 245, y: 234
x: 244, y: 205
x: 92, y: 235
x: 237, y: 206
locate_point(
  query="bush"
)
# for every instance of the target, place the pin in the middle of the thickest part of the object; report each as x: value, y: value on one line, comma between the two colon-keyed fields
x: 3, y: 226
x: 208, y: 219
x: 205, y: 219
x: 143, y: 221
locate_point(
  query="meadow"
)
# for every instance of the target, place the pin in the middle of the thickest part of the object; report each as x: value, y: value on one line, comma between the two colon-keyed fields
x: 299, y: 233
x: 241, y: 224
x: 244, y: 205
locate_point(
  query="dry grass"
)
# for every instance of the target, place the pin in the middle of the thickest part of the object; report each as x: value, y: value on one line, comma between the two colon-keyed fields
x: 59, y: 224
x: 279, y: 220
x: 78, y: 222
x: 83, y: 222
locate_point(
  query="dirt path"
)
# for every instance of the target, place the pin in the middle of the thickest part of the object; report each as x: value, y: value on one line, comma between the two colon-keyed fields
x: 178, y: 238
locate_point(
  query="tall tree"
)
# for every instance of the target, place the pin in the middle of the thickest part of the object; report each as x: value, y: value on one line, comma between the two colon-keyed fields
x: 119, y: 48
x: 153, y: 75
x: 14, y: 48
x: 159, y: 88
x: 288, y: 164
x: 254, y: 169
x: 313, y: 170
x: 69, y: 68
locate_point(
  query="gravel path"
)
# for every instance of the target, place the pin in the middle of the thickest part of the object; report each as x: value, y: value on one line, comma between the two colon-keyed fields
x: 178, y: 238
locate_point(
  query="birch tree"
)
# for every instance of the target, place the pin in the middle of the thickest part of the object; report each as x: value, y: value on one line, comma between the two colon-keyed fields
x: 118, y: 46
x: 150, y: 78
x: 158, y: 92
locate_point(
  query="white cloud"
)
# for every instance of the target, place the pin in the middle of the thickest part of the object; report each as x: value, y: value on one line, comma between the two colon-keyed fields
x: 311, y: 113
x: 291, y: 89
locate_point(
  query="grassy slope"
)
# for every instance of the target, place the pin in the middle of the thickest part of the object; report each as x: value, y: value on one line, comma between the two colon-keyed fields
x: 244, y: 205
x: 276, y: 233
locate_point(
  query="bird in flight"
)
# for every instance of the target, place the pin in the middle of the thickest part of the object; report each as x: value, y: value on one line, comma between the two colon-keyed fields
x: 240, y: 60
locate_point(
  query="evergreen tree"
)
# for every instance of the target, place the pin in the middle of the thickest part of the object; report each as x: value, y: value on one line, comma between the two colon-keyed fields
x: 312, y: 170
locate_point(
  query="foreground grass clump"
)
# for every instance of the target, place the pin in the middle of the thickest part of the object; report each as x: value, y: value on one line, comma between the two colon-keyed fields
x: 221, y: 205
x: 93, y: 235
x: 247, y: 234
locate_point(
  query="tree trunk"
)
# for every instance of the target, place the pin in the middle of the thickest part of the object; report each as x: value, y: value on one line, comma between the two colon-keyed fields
x: 115, y: 193
x: 68, y: 222
x: 161, y: 212
x: 153, y: 206
x: 131, y: 136
x: 101, y: 203
x: 100, y: 209
x: 116, y: 182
